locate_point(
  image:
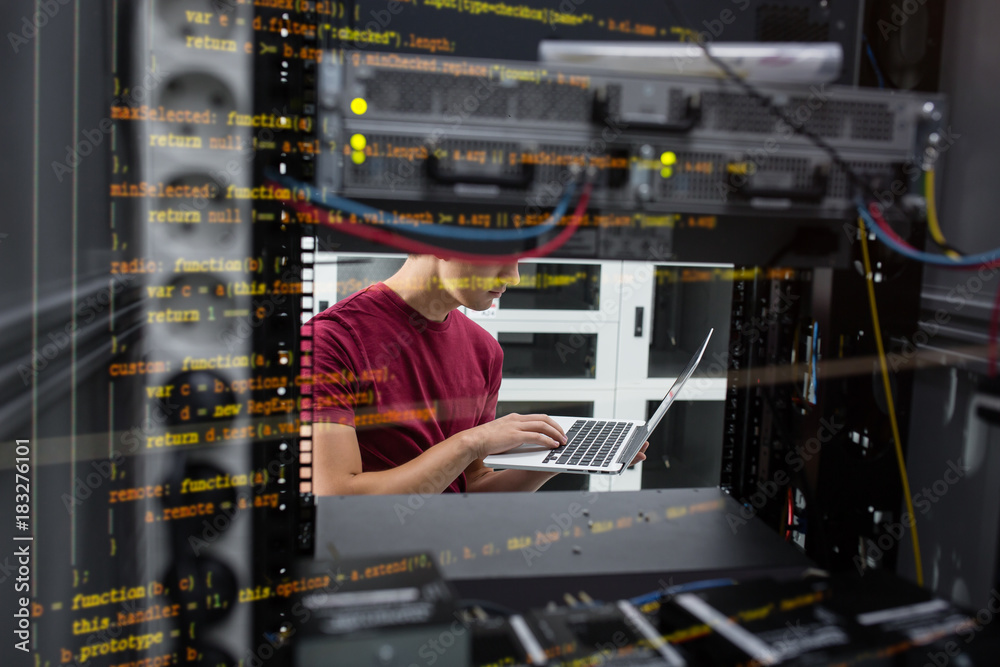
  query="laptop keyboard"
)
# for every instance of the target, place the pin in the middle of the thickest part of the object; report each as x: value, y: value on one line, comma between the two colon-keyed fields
x: 590, y: 443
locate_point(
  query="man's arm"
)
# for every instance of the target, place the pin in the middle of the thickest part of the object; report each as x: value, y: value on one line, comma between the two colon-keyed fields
x: 337, y: 468
x: 337, y: 465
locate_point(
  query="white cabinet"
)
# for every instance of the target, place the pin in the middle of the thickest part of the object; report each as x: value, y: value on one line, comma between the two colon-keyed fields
x: 339, y: 275
x: 552, y: 326
x: 666, y: 311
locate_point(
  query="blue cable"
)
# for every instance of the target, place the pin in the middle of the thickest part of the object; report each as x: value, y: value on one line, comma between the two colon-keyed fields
x: 815, y: 342
x: 440, y: 231
x: 871, y: 58
x: 680, y: 588
x: 919, y: 255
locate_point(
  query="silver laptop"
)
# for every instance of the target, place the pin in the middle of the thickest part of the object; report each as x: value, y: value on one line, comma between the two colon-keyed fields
x: 595, y: 446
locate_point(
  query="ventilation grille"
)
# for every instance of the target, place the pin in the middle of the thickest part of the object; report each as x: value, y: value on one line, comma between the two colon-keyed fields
x: 840, y: 187
x: 830, y: 119
x: 458, y: 97
x: 778, y: 23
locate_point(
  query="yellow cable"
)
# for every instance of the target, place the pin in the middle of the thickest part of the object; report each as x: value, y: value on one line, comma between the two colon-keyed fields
x: 870, y: 279
x: 932, y: 219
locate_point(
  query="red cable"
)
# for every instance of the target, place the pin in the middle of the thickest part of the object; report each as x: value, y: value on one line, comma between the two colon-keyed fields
x: 386, y: 237
x: 791, y: 517
x: 991, y: 357
x: 876, y: 214
x: 994, y: 329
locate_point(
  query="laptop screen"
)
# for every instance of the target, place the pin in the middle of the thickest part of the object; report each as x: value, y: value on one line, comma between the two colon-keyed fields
x: 675, y: 388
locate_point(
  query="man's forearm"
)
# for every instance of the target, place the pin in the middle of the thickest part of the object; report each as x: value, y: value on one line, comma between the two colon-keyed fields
x: 430, y: 473
x: 509, y: 480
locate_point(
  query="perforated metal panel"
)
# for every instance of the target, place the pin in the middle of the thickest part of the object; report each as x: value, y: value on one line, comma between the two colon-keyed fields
x: 840, y: 187
x: 401, y: 91
x: 517, y: 128
x: 831, y: 119
x: 380, y: 171
x: 800, y: 169
x: 780, y: 23
x: 460, y: 97
x: 693, y: 185
x: 556, y: 103
x: 872, y: 122
x: 727, y: 112
x: 552, y: 173
x: 828, y: 119
x: 471, y: 97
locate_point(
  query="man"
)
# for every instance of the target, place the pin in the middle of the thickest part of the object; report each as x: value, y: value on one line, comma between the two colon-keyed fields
x: 405, y: 387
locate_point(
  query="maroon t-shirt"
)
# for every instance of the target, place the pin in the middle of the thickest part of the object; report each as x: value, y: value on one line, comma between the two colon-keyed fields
x: 404, y: 382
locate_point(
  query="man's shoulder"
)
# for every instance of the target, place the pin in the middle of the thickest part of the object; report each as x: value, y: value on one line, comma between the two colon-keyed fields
x: 349, y: 310
x: 342, y: 321
x: 359, y: 302
x: 468, y: 327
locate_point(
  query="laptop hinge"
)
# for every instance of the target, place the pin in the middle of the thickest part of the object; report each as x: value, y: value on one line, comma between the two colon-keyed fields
x: 634, y: 443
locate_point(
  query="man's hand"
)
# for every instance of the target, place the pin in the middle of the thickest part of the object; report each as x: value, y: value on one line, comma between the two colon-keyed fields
x: 640, y: 455
x: 508, y: 432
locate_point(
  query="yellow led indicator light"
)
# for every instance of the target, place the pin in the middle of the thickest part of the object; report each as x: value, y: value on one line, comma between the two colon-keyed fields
x: 666, y: 172
x: 358, y: 142
x: 359, y: 106
x: 358, y: 157
x: 742, y: 168
x: 668, y: 158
